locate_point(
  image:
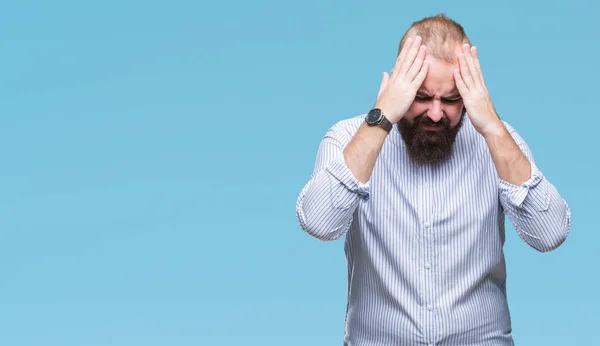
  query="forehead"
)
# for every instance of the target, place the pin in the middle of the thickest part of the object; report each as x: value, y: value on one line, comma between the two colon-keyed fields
x: 440, y: 78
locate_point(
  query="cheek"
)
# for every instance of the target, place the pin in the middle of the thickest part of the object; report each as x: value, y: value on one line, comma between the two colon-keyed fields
x: 454, y: 113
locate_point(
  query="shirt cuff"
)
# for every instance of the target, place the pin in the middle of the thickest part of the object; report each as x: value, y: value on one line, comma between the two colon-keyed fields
x: 340, y: 171
x: 516, y: 194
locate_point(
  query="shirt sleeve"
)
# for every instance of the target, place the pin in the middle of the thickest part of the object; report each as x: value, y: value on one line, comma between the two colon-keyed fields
x: 326, y: 204
x: 539, y: 214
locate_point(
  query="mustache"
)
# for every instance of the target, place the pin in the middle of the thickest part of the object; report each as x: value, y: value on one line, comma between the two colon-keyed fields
x: 424, y: 120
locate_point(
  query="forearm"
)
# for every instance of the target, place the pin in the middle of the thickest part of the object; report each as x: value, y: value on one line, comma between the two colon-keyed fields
x: 539, y: 214
x: 511, y: 164
x: 361, y: 153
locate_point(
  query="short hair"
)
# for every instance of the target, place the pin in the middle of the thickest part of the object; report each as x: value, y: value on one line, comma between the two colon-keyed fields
x: 440, y: 34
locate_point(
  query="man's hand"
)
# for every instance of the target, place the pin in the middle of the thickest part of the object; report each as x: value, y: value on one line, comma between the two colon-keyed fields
x: 470, y: 84
x: 397, y: 92
x: 511, y: 164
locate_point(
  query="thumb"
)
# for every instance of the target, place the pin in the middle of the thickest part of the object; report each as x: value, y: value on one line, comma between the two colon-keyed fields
x: 384, y: 82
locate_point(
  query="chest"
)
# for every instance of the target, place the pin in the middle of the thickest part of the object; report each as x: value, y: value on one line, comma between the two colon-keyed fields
x: 459, y: 197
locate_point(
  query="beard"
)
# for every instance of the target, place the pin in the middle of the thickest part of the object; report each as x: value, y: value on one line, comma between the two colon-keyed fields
x: 427, y: 146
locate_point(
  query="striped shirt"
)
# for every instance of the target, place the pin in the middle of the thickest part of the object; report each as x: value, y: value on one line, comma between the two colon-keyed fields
x: 424, y: 245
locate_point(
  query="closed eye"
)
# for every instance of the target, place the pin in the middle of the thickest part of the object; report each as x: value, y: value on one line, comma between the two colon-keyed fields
x: 450, y: 101
x: 419, y: 98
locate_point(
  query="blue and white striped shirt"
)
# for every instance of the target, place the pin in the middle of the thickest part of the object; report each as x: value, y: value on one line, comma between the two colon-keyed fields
x: 424, y: 245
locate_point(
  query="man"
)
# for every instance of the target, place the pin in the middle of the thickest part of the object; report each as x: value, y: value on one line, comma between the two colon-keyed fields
x: 420, y: 187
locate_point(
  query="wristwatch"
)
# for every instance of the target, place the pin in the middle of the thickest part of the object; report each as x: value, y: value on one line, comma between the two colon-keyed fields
x: 375, y: 117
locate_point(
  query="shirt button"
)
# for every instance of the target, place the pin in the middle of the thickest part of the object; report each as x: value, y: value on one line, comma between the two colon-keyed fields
x: 427, y: 266
x: 429, y: 307
x: 426, y: 224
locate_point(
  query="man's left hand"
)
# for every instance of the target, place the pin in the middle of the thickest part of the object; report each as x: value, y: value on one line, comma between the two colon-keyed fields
x: 470, y: 84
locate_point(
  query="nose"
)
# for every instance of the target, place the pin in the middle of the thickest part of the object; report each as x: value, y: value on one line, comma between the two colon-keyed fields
x: 435, y: 112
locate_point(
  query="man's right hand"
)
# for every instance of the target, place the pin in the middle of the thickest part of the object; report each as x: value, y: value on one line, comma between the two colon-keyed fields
x: 397, y: 92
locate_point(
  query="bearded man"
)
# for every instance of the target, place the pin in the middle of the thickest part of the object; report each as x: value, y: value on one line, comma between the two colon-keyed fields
x: 420, y: 186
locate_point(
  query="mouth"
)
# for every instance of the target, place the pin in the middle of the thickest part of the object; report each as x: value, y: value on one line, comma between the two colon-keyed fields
x: 432, y: 127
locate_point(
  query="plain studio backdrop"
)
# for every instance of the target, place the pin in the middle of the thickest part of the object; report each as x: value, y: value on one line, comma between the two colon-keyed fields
x: 152, y: 153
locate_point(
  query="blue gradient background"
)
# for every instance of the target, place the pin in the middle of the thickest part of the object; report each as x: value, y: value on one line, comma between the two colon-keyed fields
x: 152, y: 153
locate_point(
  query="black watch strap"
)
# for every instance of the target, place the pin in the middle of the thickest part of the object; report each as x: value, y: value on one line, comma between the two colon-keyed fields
x: 386, y: 124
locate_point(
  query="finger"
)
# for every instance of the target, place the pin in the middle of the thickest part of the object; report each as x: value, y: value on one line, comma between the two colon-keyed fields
x: 471, y: 65
x: 477, y: 65
x: 420, y: 78
x: 410, y: 56
x: 384, y: 82
x: 460, y: 84
x: 465, y: 74
x: 407, y: 45
x: 417, y: 64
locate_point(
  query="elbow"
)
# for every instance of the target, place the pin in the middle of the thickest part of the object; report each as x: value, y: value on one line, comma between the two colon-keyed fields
x: 556, y: 236
x: 323, y: 234
x: 552, y: 243
x: 558, y: 233
x: 548, y: 233
x: 317, y: 226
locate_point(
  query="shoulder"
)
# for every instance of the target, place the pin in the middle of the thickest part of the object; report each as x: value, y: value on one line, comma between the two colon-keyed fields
x: 345, y: 129
x: 509, y: 127
x: 471, y: 133
x: 512, y: 131
x: 350, y: 124
x: 514, y: 134
x: 471, y: 142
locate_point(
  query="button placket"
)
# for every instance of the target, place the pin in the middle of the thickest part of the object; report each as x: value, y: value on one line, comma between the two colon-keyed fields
x: 428, y: 253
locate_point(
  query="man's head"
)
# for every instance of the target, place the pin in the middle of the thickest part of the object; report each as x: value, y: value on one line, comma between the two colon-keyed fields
x: 433, y: 120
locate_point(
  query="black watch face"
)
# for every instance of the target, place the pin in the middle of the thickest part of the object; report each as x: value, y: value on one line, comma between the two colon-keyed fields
x: 374, y: 116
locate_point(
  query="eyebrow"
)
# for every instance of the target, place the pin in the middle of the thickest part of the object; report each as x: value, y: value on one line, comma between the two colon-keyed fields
x: 453, y: 96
